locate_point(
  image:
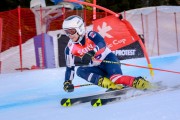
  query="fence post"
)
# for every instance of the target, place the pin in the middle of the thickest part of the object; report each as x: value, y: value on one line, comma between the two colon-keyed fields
x: 1, y: 27
x: 157, y: 30
x: 20, y: 37
x: 175, y: 20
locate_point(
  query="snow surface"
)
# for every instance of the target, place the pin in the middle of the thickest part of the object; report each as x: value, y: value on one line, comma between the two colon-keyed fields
x: 35, y: 95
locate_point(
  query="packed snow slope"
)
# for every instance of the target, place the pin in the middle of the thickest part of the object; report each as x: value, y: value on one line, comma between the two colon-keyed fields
x: 35, y: 95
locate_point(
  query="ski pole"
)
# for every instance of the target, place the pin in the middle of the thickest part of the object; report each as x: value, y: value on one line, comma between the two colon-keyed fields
x: 151, y: 68
x: 112, y: 62
x: 83, y: 85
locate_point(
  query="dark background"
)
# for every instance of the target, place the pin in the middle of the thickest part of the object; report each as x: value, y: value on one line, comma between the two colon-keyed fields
x: 63, y: 40
x: 114, y: 5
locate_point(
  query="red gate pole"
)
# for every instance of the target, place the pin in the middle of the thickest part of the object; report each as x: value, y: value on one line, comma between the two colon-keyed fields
x: 94, y: 10
x: 20, y: 36
x: 42, y: 66
x: 1, y: 27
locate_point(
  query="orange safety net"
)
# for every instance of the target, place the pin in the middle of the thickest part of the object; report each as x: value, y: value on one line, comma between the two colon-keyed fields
x: 10, y: 27
x: 10, y: 36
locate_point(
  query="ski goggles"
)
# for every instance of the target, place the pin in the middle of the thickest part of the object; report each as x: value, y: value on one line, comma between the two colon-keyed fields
x: 70, y: 31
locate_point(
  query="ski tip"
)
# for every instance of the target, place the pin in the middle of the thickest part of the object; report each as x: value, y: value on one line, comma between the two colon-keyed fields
x: 96, y: 102
x: 66, y: 102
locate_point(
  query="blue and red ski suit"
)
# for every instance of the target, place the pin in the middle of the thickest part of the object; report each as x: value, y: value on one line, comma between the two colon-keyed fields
x: 95, y: 70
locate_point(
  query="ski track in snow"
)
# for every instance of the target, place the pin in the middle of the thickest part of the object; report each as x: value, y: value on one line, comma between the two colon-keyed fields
x: 36, y: 95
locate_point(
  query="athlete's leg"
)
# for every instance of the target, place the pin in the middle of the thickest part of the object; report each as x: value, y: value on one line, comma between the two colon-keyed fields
x: 114, y: 72
x: 96, y: 76
x: 90, y: 74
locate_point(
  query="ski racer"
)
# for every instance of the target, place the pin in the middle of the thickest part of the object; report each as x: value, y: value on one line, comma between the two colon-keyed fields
x: 92, y: 49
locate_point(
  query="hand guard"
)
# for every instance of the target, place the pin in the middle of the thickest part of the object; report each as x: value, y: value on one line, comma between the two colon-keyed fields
x: 88, y: 56
x: 68, y: 86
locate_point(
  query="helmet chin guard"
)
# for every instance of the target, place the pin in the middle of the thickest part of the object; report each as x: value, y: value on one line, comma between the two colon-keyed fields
x: 75, y: 22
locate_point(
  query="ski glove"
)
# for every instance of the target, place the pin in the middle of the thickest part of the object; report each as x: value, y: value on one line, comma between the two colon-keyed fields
x: 88, y: 56
x: 68, y: 86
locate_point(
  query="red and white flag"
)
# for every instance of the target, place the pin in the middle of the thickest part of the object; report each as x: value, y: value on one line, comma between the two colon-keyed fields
x: 117, y: 33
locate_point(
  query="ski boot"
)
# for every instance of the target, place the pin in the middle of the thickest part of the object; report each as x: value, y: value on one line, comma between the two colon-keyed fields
x: 141, y: 84
x: 107, y: 83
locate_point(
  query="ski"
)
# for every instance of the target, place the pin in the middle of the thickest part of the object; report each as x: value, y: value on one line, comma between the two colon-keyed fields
x: 100, y: 102
x: 103, y: 101
x: 67, y: 102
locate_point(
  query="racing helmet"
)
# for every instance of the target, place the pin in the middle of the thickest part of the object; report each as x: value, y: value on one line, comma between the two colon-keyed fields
x: 75, y: 22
